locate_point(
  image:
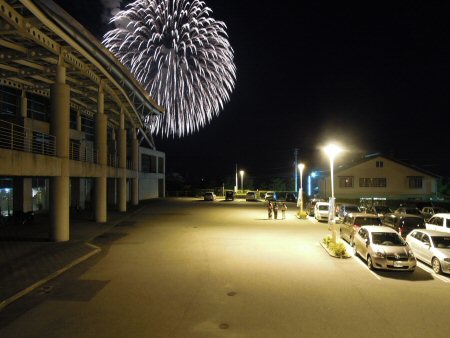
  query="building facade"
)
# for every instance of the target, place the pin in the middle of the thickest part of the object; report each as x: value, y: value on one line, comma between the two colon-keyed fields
x: 377, y: 176
x: 71, y: 120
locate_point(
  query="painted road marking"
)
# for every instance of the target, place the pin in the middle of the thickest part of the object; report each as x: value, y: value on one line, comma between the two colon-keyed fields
x: 431, y: 272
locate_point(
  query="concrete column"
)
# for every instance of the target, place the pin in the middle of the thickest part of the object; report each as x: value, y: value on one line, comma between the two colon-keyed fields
x: 59, y: 185
x: 23, y: 104
x: 135, y: 179
x: 101, y: 143
x: 78, y: 121
x: 122, y: 145
x: 82, y: 196
x: 22, y: 194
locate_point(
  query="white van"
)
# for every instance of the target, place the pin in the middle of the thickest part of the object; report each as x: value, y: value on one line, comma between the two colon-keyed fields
x: 321, y: 211
x: 439, y: 222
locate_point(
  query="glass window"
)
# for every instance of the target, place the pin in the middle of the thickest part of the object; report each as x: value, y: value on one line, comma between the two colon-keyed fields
x: 345, y: 181
x: 438, y: 221
x: 378, y: 182
x: 415, y: 182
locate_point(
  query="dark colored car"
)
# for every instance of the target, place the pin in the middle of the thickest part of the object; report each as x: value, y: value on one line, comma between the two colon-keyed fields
x: 230, y: 195
x: 404, y: 223
x: 379, y: 210
x: 408, y: 210
x: 427, y: 212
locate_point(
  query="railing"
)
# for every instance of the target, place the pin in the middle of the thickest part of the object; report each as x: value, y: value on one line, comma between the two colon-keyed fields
x: 83, y: 154
x: 16, y: 137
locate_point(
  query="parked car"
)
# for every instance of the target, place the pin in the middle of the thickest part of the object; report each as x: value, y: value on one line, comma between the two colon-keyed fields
x: 404, y: 223
x: 383, y: 248
x: 230, y: 195
x: 291, y: 197
x: 270, y: 196
x: 321, y: 211
x: 439, y: 222
x: 209, y: 196
x: 342, y: 209
x: 431, y: 247
x: 427, y: 212
x: 408, y: 210
x: 310, y: 206
x: 251, y: 196
x: 352, y: 223
x: 379, y: 210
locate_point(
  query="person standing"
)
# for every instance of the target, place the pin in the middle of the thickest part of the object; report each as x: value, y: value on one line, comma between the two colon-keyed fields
x: 275, y: 210
x: 270, y: 209
x: 283, y: 210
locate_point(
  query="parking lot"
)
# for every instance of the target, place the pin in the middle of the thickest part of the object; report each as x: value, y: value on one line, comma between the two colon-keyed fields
x: 193, y: 268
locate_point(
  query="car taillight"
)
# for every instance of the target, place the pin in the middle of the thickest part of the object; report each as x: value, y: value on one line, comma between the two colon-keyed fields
x: 356, y: 226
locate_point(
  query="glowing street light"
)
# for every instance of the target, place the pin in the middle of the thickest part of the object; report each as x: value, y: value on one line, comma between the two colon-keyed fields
x: 332, y: 151
x: 242, y: 179
x: 301, y: 166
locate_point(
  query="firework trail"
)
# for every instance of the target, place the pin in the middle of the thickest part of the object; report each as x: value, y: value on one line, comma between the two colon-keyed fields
x: 182, y: 57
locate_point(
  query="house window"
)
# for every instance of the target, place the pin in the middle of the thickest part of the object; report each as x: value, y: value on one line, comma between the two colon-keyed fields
x: 415, y: 182
x: 379, y: 164
x: 345, y: 181
x: 377, y: 182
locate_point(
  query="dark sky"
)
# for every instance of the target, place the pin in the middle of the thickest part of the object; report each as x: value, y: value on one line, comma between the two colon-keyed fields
x: 373, y: 76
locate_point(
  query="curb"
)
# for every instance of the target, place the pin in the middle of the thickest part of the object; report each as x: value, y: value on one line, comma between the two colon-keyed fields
x: 332, y: 254
x: 55, y: 274
x: 77, y: 261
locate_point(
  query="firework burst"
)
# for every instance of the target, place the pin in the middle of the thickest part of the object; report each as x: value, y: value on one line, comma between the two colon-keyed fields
x: 182, y: 57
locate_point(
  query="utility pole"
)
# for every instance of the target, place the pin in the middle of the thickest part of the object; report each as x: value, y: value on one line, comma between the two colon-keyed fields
x: 236, y: 186
x: 296, y: 168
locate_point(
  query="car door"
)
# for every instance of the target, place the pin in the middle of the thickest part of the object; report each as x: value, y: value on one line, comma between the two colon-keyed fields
x: 345, y: 228
x: 364, y: 243
x: 424, y: 248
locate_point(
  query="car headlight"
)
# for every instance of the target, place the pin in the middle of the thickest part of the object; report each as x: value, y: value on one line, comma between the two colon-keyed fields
x: 410, y: 253
x: 380, y: 253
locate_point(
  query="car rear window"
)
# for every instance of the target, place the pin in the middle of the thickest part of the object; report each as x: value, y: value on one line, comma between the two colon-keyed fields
x: 367, y: 221
x: 323, y: 207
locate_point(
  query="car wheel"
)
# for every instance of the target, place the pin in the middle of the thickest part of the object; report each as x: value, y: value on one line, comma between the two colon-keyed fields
x: 369, y: 263
x: 436, y: 265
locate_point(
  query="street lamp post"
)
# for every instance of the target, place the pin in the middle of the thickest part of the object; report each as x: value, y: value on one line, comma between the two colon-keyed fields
x: 332, y: 150
x: 242, y: 179
x: 301, y: 166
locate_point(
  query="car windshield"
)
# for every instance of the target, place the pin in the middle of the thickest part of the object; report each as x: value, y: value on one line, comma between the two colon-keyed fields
x: 387, y: 238
x: 441, y: 242
x: 323, y: 207
x: 412, y: 222
x: 382, y: 209
x: 351, y: 208
x: 412, y: 211
x: 367, y: 221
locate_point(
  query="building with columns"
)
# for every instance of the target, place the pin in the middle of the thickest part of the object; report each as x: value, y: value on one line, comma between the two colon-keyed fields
x: 71, y: 120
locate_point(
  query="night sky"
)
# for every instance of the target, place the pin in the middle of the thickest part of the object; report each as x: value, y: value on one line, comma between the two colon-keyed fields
x: 374, y: 77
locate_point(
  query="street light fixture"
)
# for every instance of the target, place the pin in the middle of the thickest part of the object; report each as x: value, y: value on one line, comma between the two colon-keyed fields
x: 332, y: 150
x: 242, y: 179
x: 301, y: 166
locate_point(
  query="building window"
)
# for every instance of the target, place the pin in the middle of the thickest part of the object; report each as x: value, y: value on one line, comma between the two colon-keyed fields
x: 8, y: 100
x: 379, y: 164
x: 160, y: 165
x: 377, y: 182
x: 415, y: 182
x: 345, y: 181
x: 38, y: 107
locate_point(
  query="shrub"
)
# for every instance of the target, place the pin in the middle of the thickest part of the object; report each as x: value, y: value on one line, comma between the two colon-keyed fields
x: 338, y: 249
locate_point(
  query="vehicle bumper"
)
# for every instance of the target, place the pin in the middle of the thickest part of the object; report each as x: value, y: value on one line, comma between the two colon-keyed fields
x: 387, y: 264
x: 445, y: 266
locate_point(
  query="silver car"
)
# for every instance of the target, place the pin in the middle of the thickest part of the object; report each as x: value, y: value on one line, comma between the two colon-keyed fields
x: 383, y: 248
x: 432, y: 247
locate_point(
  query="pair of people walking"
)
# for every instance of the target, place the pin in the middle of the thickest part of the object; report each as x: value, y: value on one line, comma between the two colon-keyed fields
x: 272, y: 208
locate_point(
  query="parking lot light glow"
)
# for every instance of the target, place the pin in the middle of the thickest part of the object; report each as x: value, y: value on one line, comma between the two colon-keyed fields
x: 242, y: 179
x: 301, y: 166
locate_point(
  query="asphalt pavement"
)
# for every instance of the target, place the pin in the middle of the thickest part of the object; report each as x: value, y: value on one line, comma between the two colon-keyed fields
x: 28, y: 259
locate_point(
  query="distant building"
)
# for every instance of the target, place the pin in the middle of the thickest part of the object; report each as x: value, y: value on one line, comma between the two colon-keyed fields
x: 71, y: 120
x: 378, y: 176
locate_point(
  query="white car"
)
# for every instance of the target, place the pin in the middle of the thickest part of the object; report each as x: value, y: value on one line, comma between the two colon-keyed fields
x: 432, y: 247
x: 321, y: 211
x: 209, y: 196
x: 439, y: 222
